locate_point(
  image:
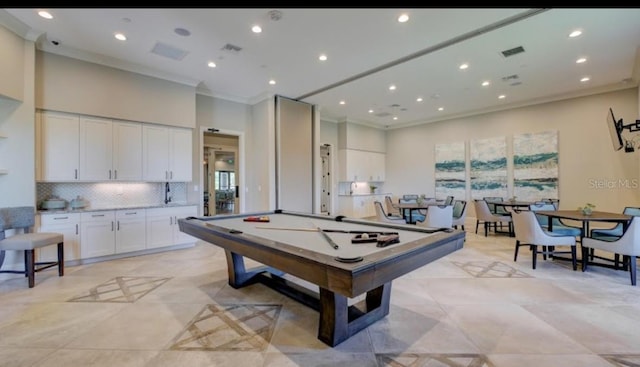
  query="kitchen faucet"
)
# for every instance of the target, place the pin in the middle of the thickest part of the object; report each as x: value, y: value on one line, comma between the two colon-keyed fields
x: 167, y: 199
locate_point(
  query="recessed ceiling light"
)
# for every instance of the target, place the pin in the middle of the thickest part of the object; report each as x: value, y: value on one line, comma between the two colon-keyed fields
x: 395, y: 117
x: 322, y: 57
x: 502, y: 96
x: 486, y: 83
x: 272, y: 82
x: 45, y: 14
x: 575, y: 33
x: 120, y: 36
x: 585, y: 79
x: 370, y: 111
x: 440, y: 108
x: 256, y: 29
x: 419, y: 99
x: 403, y: 18
x: 464, y: 66
x: 211, y: 64
x: 182, y: 32
x: 392, y: 87
x: 581, y: 60
x: 343, y: 102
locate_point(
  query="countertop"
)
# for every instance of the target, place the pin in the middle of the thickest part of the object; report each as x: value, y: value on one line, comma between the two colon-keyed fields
x: 85, y: 210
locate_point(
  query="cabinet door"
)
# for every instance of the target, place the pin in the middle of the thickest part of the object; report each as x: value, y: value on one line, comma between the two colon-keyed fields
x: 97, y: 234
x: 180, y: 213
x: 131, y: 230
x: 159, y: 230
x: 96, y: 149
x: 60, y: 147
x: 155, y: 153
x: 181, y: 153
x: 69, y: 226
x: 377, y: 166
x: 127, y: 151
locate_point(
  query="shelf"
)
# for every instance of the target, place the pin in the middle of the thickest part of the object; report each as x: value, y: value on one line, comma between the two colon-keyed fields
x: 4, y: 172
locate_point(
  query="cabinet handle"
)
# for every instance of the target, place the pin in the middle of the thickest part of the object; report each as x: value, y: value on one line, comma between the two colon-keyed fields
x: 170, y: 221
x: 76, y: 174
x: 130, y: 213
x: 97, y: 215
x: 112, y: 226
x: 56, y: 218
x: 166, y: 175
x: 118, y: 226
x: 109, y: 174
x: 115, y: 174
x: 171, y: 175
x: 76, y: 229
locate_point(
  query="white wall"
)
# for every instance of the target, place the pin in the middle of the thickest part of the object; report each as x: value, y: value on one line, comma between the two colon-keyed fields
x: 12, y: 65
x: 586, y: 156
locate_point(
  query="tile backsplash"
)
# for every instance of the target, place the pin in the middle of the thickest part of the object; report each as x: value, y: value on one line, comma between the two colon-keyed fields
x: 99, y: 195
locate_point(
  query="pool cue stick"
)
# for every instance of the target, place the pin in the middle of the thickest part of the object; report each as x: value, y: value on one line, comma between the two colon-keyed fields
x: 326, y: 237
x: 325, y: 230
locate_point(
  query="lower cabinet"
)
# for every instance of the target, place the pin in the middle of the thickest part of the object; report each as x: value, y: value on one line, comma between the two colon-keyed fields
x: 162, y: 226
x: 359, y: 206
x: 131, y: 230
x: 97, y: 234
x: 69, y: 225
x: 102, y: 233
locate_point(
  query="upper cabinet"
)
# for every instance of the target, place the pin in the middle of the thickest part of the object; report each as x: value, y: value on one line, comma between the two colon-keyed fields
x: 166, y: 153
x: 60, y: 148
x: 359, y: 165
x: 93, y: 149
x: 110, y: 150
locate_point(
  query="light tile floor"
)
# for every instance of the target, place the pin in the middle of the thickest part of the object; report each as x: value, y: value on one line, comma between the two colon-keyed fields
x: 475, y: 307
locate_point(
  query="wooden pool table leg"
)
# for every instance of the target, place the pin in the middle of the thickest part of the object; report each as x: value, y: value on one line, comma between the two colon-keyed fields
x: 239, y: 276
x: 338, y: 321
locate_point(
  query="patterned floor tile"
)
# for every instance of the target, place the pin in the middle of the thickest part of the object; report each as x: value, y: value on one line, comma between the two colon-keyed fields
x: 121, y: 290
x: 244, y: 327
x: 427, y: 360
x: 491, y: 269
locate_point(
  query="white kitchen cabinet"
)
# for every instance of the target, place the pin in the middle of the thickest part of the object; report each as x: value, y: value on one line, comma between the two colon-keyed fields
x: 127, y: 151
x: 96, y: 149
x: 131, y: 230
x: 360, y: 165
x: 166, y: 153
x: 60, y: 146
x: 68, y: 224
x: 97, y: 234
x: 162, y: 226
x: 359, y: 206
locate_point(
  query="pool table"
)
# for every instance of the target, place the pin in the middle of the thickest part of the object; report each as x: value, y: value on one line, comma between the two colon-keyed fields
x: 296, y: 244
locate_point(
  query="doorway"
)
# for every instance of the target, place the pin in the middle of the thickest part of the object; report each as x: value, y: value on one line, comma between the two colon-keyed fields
x: 221, y: 173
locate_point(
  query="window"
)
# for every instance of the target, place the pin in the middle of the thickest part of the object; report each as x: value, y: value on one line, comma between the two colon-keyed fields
x: 225, y: 180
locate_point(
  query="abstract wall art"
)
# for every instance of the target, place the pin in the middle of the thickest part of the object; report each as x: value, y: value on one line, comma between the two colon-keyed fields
x: 450, y: 173
x: 488, y: 167
x: 535, y: 166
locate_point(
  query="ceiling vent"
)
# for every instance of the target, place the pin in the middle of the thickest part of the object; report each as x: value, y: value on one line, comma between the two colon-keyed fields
x: 231, y: 48
x: 169, y: 51
x: 515, y: 84
x: 382, y: 114
x: 513, y: 51
x: 510, y: 77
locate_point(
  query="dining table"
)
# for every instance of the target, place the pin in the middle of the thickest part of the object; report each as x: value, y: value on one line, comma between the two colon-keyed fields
x: 586, y: 219
x: 513, y: 204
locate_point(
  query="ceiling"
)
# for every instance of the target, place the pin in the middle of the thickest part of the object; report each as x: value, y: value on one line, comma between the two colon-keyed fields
x: 368, y: 50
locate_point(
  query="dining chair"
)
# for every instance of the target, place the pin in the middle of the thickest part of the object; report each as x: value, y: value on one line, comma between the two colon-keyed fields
x: 449, y: 200
x: 496, y: 209
x: 392, y: 209
x: 381, y: 216
x: 555, y: 202
x: 459, y: 213
x: 528, y: 232
x: 438, y: 216
x: 628, y: 245
x: 21, y: 220
x: 484, y: 216
x: 557, y: 226
x: 616, y: 231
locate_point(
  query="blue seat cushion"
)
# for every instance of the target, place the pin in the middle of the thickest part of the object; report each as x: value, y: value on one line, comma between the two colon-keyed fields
x: 615, y: 232
x: 560, y: 230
